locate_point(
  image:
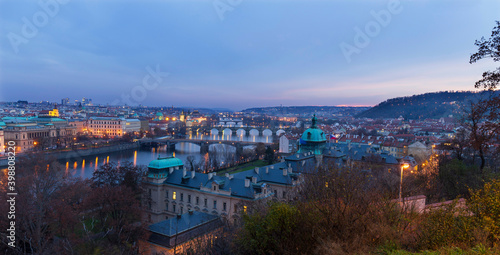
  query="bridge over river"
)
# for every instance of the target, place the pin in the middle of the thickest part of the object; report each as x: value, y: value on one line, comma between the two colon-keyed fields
x: 204, y: 144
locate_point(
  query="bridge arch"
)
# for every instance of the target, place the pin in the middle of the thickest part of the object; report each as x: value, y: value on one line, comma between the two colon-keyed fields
x: 214, y: 131
x: 184, y: 146
x: 254, y: 132
x: 279, y: 132
x: 267, y: 132
x: 227, y: 132
x: 241, y: 132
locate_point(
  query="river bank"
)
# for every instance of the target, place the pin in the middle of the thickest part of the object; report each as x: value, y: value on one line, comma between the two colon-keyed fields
x: 72, y: 154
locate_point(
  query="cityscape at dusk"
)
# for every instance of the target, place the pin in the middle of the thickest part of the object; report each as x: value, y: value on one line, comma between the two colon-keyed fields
x: 165, y: 127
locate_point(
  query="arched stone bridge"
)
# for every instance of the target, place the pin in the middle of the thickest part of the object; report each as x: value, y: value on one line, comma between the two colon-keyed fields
x: 241, y: 131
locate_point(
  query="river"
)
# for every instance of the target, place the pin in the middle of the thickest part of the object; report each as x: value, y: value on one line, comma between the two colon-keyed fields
x: 85, y: 166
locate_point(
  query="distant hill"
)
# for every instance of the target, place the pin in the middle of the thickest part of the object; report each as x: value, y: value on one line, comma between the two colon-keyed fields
x: 321, y: 110
x: 425, y: 106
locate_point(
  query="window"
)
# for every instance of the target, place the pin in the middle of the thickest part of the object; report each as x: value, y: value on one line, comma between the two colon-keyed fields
x: 166, y: 206
x: 215, y: 204
x: 244, y: 208
x: 174, y: 196
x: 189, y: 198
x: 206, y: 202
x: 149, y: 191
x: 182, y: 196
x: 197, y: 200
x: 166, y: 194
x: 215, y: 188
x: 182, y: 210
x: 284, y: 193
x: 173, y: 208
x: 275, y: 193
x: 224, y: 206
x: 235, y: 208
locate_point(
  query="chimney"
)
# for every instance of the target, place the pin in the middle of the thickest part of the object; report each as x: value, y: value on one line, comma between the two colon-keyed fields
x: 192, y: 174
x: 230, y: 177
x: 285, y: 172
x: 210, y: 175
x: 227, y: 175
x: 247, y: 183
x: 267, y: 170
x: 183, y: 172
x: 254, y: 179
x: 272, y: 167
x: 290, y: 170
x: 257, y: 170
x: 171, y: 170
x: 298, y: 156
x: 190, y: 212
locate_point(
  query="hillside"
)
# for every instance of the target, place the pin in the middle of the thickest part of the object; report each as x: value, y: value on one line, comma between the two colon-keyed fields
x: 430, y: 105
x: 321, y: 110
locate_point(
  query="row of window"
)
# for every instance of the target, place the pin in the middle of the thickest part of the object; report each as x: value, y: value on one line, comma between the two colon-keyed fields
x: 104, y: 122
x: 104, y: 126
x: 197, y: 201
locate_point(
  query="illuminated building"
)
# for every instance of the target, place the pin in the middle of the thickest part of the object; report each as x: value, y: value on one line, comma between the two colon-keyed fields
x: 2, y: 142
x: 112, y: 126
x: 80, y: 125
x: 172, y: 190
x: 46, y: 131
x: 100, y: 126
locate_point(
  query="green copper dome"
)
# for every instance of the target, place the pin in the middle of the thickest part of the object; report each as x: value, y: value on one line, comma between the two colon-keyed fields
x: 313, y: 139
x: 314, y: 134
x: 163, y: 163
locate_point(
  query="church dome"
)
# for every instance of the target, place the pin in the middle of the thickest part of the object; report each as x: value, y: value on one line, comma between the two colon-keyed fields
x: 314, y: 134
x: 313, y: 139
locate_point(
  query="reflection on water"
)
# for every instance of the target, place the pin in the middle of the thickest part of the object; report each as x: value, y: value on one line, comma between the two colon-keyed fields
x: 85, y: 166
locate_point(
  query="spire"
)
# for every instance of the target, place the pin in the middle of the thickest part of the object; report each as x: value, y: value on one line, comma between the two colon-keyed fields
x: 314, y: 119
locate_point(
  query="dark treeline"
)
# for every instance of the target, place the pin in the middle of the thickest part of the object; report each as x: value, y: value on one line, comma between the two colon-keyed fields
x: 424, y: 106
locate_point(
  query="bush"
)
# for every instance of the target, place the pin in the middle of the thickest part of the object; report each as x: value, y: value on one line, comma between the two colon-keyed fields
x: 485, y: 205
x: 446, y: 227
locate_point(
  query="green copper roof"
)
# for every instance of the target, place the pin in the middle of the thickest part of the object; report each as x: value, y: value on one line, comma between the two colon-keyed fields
x: 163, y: 163
x: 159, y: 114
x: 314, y: 134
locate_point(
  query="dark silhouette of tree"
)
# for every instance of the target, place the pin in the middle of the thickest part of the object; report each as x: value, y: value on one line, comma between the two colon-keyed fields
x: 115, y: 175
x: 488, y: 49
x: 269, y: 155
x: 481, y: 135
x: 260, y: 149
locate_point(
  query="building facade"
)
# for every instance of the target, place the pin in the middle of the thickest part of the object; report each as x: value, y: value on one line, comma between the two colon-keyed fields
x: 101, y: 126
x: 172, y: 190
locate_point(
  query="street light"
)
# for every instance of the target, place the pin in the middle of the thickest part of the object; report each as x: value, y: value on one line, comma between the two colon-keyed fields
x: 403, y: 166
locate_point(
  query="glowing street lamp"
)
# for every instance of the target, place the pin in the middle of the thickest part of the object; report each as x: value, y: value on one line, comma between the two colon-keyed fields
x: 403, y: 166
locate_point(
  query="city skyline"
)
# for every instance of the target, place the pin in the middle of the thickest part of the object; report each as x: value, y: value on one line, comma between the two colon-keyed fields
x: 239, y: 54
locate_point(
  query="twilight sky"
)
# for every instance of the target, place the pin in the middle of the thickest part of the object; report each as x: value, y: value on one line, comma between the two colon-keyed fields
x: 239, y: 53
